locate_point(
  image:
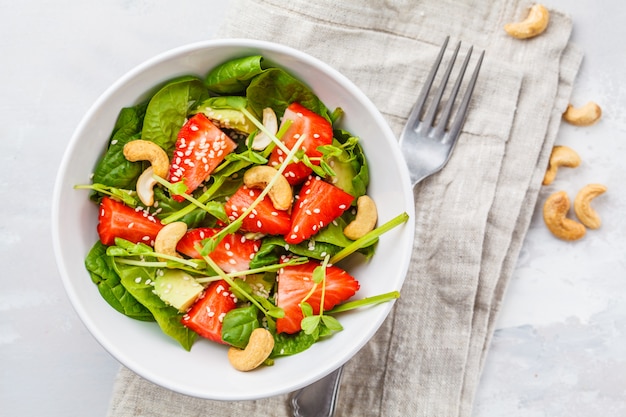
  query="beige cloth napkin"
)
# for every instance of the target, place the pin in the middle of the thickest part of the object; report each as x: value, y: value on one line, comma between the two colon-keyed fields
x: 471, y: 218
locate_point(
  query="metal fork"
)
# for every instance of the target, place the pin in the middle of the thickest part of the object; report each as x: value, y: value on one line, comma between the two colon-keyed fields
x: 426, y: 144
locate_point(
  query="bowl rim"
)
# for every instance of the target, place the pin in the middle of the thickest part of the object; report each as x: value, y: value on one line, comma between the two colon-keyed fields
x: 73, y: 295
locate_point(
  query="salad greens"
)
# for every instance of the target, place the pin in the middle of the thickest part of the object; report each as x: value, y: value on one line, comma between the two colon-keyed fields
x: 233, y: 96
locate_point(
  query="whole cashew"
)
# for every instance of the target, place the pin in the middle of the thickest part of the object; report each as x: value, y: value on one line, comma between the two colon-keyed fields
x: 365, y: 220
x: 145, y: 150
x: 554, y: 215
x: 260, y: 176
x: 533, y: 25
x: 561, y: 156
x: 258, y: 350
x: 585, y: 115
x: 587, y: 215
x: 145, y: 186
x: 168, y: 237
x: 270, y: 122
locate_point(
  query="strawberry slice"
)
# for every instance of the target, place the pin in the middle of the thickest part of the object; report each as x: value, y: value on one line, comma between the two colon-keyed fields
x: 200, y: 148
x: 263, y: 219
x: 296, y: 281
x: 116, y: 219
x: 206, y: 315
x: 318, y: 132
x: 232, y: 254
x: 318, y: 203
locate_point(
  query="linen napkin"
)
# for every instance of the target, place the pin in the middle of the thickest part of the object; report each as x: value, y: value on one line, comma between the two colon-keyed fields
x: 471, y: 218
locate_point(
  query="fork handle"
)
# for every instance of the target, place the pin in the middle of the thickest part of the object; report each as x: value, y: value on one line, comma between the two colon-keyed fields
x: 318, y: 399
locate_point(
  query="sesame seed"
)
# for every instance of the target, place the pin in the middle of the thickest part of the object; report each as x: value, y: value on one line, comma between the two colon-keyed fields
x: 130, y: 225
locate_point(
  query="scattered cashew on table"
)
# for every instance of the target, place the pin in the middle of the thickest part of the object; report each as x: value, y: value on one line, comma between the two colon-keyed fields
x: 534, y: 24
x: 557, y: 205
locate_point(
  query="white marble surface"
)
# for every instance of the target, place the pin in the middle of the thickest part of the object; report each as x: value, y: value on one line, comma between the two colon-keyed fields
x: 559, y: 348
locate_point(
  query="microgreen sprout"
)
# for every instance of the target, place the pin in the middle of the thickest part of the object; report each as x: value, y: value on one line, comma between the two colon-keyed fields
x: 370, y: 237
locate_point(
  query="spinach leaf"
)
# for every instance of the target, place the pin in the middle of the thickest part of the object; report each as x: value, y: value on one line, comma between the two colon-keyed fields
x: 168, y: 109
x: 136, y: 280
x: 232, y: 77
x: 353, y: 157
x: 273, y: 247
x: 238, y: 324
x: 114, y: 169
x: 277, y: 89
x: 286, y: 344
x: 103, y: 274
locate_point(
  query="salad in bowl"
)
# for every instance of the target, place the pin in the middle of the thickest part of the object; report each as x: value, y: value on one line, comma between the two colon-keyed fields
x: 247, y: 216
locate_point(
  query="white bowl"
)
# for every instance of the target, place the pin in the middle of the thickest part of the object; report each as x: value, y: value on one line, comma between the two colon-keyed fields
x: 205, y: 371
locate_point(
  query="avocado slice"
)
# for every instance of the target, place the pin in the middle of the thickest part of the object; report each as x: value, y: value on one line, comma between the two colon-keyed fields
x: 178, y: 289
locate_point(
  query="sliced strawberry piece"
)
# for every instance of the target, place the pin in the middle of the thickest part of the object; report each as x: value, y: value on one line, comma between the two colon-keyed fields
x: 116, y: 219
x: 232, y: 254
x: 318, y: 132
x: 295, y: 282
x: 200, y: 148
x: 264, y: 217
x: 318, y: 203
x: 206, y: 315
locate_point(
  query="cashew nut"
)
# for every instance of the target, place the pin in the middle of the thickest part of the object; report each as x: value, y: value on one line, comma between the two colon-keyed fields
x: 561, y: 156
x: 258, y: 349
x: 270, y: 122
x: 365, y: 220
x: 587, y: 215
x: 554, y: 215
x: 145, y: 186
x: 533, y: 25
x: 260, y: 176
x: 145, y: 150
x: 168, y: 237
x: 585, y: 115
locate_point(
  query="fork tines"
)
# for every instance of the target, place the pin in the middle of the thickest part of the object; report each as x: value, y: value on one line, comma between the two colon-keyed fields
x: 429, y: 117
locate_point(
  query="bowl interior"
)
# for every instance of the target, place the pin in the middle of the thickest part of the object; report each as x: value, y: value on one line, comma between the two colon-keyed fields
x: 204, y: 371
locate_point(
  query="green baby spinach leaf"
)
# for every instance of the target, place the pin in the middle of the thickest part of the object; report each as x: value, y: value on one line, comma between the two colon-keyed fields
x: 137, y: 281
x: 277, y: 89
x: 287, y: 344
x: 232, y: 77
x: 103, y: 274
x: 168, y: 109
x: 238, y: 324
x: 114, y: 169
